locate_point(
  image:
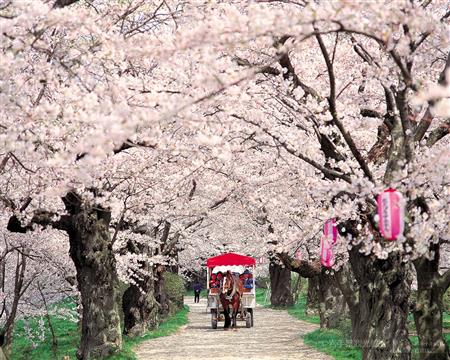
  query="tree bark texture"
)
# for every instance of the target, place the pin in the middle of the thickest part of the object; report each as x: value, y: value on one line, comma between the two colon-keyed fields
x: 91, y: 252
x: 332, y: 306
x: 384, y: 290
x: 350, y: 289
x: 140, y: 309
x: 428, y: 310
x: 312, y: 301
x: 280, y: 285
x: 160, y: 291
x: 139, y: 304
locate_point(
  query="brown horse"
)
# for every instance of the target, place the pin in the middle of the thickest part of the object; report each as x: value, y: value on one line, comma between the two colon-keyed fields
x: 231, y: 293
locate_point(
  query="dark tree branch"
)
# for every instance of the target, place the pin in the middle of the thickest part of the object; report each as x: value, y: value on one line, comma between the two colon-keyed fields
x: 333, y: 110
x: 63, y: 3
x: 444, y: 281
x: 192, y: 192
x: 371, y: 113
x: 438, y: 133
x: 425, y: 122
x: 306, y: 269
x: 328, y: 173
x: 126, y: 145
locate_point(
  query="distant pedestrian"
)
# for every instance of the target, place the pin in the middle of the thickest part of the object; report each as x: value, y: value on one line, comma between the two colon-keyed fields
x: 197, y: 290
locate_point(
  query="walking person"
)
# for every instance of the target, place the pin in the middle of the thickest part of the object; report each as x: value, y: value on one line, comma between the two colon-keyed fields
x: 197, y: 290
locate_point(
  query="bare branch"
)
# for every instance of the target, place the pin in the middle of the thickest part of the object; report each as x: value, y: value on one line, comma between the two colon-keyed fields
x: 329, y: 173
x: 333, y: 110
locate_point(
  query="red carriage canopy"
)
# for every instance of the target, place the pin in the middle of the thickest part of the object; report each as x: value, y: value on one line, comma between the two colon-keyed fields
x: 230, y: 259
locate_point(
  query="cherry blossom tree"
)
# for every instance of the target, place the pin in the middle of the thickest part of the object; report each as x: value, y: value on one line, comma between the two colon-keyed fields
x: 150, y: 131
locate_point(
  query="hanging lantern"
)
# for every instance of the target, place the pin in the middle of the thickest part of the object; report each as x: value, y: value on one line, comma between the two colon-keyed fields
x: 330, y: 230
x: 391, y: 213
x: 298, y: 255
x: 326, y: 252
x: 261, y: 260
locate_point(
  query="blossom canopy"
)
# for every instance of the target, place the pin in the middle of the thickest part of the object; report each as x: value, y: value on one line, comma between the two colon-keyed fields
x: 230, y: 259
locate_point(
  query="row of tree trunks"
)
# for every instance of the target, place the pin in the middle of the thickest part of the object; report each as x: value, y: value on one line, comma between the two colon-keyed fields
x: 377, y: 293
x: 323, y: 291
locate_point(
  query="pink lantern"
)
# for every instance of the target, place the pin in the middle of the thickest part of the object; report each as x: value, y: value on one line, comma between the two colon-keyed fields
x: 326, y: 252
x: 330, y: 230
x: 261, y: 260
x: 391, y: 212
x: 298, y: 255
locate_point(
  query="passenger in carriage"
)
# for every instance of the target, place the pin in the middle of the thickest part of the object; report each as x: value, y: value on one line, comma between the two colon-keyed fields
x: 213, y: 283
x: 219, y: 278
x: 248, y: 279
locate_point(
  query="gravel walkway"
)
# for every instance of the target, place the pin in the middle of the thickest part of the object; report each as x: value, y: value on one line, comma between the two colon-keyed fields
x: 276, y: 335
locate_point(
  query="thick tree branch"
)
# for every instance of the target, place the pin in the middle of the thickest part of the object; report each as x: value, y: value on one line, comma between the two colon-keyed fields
x: 438, y: 133
x: 43, y: 218
x: 306, y: 269
x: 63, y: 3
x: 444, y: 281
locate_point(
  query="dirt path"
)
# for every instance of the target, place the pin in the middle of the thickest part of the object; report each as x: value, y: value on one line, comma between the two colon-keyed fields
x: 276, y: 335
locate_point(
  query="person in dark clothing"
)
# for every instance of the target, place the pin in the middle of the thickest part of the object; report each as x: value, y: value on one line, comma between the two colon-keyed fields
x: 197, y: 290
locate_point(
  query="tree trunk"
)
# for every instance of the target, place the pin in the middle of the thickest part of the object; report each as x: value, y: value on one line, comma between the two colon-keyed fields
x: 297, y: 289
x: 160, y: 291
x: 139, y: 304
x: 280, y: 285
x: 312, y: 301
x: 140, y: 308
x: 428, y: 310
x: 19, y: 278
x: 350, y: 289
x: 332, y: 306
x: 91, y: 252
x: 384, y: 290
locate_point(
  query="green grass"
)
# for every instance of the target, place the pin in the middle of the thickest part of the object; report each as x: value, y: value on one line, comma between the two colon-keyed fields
x: 68, y: 337
x: 298, y: 311
x: 446, y: 320
x: 167, y: 327
x: 261, y: 297
x: 66, y: 333
x: 332, y: 342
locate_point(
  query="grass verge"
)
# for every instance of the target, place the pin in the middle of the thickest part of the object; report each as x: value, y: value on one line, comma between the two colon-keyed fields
x: 66, y: 333
x: 166, y: 328
x: 334, y: 343
x: 68, y: 337
x: 298, y: 311
x: 261, y: 297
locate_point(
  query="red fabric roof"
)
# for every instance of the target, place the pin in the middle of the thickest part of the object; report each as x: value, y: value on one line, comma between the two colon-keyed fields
x: 230, y: 259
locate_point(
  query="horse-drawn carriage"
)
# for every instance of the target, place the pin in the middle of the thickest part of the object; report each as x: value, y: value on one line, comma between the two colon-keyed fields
x: 231, y: 286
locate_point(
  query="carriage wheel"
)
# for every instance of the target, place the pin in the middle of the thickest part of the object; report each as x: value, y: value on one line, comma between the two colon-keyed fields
x: 250, y: 311
x: 248, y: 319
x: 214, y: 318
